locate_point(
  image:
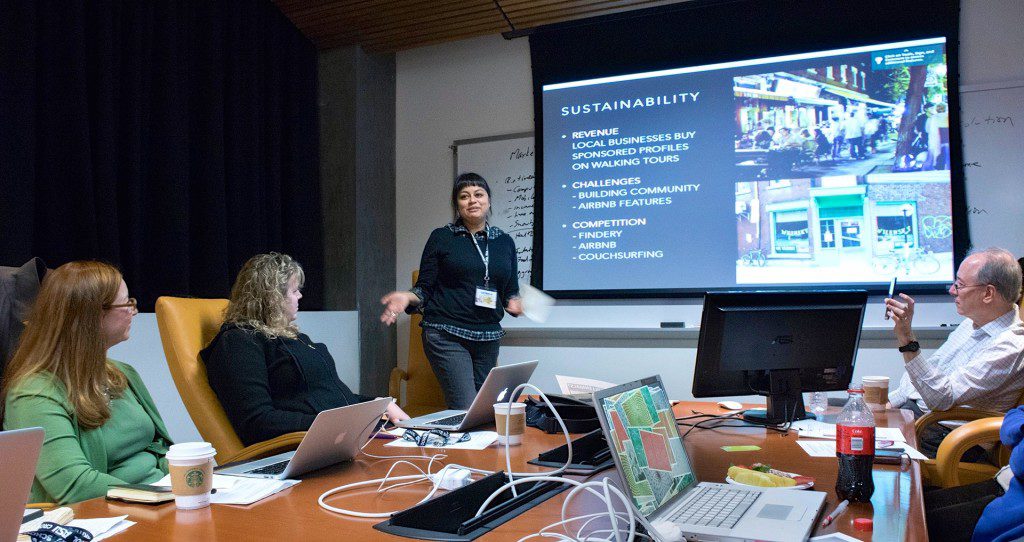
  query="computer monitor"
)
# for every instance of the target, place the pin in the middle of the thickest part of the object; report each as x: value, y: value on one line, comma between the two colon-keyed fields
x: 777, y: 344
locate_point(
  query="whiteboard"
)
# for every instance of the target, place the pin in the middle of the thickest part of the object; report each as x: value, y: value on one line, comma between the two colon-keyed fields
x: 507, y: 163
x: 993, y: 133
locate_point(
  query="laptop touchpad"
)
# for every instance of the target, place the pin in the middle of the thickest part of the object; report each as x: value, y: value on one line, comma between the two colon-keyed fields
x: 780, y: 512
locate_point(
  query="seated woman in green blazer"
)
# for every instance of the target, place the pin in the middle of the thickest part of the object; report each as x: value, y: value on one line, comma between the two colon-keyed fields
x: 101, y: 425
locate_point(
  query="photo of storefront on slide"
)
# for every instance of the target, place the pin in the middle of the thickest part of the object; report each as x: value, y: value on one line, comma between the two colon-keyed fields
x: 845, y: 228
x: 868, y: 113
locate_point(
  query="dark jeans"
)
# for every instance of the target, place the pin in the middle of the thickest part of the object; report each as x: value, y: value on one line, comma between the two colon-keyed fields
x: 856, y: 147
x: 460, y: 365
x: 952, y: 513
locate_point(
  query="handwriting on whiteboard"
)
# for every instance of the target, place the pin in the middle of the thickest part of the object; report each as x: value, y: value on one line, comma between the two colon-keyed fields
x: 988, y: 120
x: 519, y: 190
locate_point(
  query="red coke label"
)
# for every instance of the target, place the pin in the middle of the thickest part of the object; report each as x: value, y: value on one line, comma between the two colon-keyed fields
x: 854, y: 440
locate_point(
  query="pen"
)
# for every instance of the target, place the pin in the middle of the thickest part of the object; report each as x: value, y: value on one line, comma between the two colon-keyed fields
x: 835, y: 513
x: 385, y: 436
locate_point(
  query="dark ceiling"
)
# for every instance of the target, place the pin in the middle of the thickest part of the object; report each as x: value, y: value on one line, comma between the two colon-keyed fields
x: 394, y: 25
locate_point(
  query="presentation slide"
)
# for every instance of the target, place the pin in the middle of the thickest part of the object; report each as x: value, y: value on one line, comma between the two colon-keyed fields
x: 822, y: 168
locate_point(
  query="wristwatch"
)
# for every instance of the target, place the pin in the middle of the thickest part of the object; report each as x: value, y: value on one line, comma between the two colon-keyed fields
x: 912, y: 346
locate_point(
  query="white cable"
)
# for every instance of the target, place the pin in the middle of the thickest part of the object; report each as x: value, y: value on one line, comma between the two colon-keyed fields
x: 416, y: 478
x: 607, y: 486
x: 628, y: 515
x: 366, y: 483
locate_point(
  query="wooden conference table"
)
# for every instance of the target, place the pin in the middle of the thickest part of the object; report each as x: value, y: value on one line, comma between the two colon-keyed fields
x: 896, y: 507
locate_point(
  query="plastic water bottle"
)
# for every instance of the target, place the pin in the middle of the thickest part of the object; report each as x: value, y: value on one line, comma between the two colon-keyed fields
x: 818, y: 404
x: 855, y: 449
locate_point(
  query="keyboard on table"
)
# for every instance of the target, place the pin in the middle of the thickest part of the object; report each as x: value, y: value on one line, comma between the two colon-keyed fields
x: 271, y: 469
x: 450, y: 420
x: 715, y: 507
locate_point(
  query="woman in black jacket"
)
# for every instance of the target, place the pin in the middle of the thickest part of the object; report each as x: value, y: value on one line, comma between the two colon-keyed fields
x: 468, y: 281
x: 270, y: 378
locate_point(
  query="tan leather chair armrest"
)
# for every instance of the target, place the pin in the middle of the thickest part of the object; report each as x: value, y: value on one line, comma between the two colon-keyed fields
x: 953, y: 414
x: 947, y: 460
x: 395, y: 384
x: 276, y: 445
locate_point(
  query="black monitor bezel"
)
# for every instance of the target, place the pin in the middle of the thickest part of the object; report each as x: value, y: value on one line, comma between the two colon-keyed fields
x: 709, y: 380
x: 725, y: 30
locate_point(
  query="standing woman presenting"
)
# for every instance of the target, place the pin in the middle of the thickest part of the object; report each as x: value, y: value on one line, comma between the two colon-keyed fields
x: 468, y: 280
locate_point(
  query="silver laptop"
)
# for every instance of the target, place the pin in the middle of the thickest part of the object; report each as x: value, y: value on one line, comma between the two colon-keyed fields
x: 20, y: 451
x: 499, y: 383
x: 639, y: 424
x: 335, y: 436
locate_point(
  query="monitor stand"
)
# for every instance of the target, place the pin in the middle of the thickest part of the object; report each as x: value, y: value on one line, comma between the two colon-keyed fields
x: 785, y: 400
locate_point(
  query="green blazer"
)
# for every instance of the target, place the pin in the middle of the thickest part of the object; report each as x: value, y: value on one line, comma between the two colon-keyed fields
x: 73, y: 463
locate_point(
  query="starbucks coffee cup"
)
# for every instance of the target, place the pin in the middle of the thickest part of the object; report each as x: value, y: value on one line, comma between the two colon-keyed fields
x: 191, y: 468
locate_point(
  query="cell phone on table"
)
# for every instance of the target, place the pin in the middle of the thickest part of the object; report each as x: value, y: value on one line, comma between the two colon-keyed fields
x: 889, y: 456
x: 892, y: 290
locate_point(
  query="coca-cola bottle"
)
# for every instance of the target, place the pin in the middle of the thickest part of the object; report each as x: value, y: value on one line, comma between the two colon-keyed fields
x: 855, y: 448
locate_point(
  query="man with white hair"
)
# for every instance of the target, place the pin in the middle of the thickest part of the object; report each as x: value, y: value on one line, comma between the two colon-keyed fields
x: 981, y: 364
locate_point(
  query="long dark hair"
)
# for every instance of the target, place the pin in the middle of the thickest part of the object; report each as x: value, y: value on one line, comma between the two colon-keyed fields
x: 463, y: 181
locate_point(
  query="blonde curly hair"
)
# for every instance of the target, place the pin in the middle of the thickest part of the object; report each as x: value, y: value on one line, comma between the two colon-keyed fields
x: 258, y: 296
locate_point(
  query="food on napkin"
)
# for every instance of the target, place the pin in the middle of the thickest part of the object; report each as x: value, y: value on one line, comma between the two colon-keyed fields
x: 762, y: 475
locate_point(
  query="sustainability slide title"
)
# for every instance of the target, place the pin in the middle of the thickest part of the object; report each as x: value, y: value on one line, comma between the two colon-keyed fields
x: 631, y: 103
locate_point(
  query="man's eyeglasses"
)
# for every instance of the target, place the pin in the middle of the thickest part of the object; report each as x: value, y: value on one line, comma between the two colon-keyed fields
x: 435, y: 437
x: 132, y: 302
x: 957, y: 287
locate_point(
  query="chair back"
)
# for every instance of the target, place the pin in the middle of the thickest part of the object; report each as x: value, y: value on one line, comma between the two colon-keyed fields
x: 186, y: 326
x: 423, y: 393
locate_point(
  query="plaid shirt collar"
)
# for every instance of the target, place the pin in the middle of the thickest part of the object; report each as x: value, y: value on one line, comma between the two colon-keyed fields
x: 457, y: 227
x: 1000, y: 324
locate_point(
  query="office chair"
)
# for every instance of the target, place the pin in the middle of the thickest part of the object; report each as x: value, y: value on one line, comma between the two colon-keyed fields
x: 947, y: 469
x: 186, y: 327
x: 423, y: 393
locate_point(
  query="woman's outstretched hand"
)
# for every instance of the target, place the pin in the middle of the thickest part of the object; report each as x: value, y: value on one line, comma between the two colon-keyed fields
x: 395, y: 303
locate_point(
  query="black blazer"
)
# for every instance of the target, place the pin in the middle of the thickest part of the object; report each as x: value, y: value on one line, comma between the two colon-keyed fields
x: 269, y: 387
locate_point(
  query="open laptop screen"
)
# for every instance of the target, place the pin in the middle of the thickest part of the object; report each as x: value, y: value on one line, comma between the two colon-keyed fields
x: 642, y: 429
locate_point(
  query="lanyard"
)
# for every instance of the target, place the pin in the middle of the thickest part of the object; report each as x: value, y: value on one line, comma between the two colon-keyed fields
x: 485, y: 255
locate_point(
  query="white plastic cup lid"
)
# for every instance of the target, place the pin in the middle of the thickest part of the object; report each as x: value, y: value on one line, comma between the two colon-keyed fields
x: 516, y: 407
x: 190, y: 450
x: 874, y: 379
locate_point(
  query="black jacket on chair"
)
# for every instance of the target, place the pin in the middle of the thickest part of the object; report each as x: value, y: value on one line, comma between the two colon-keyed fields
x: 269, y: 387
x: 18, y: 289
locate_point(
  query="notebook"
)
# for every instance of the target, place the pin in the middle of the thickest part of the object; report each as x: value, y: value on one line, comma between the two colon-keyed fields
x: 658, y: 476
x: 500, y: 381
x: 335, y: 436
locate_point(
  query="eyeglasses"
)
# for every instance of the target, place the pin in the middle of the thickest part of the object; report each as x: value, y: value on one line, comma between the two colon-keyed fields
x: 957, y: 287
x: 132, y: 302
x: 435, y: 437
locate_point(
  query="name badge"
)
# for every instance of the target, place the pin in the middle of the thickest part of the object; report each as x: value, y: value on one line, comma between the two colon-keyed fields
x: 486, y: 298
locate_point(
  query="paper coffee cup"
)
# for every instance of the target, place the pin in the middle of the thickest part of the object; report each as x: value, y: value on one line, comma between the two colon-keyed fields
x: 191, y: 468
x: 876, y: 390
x: 514, y: 417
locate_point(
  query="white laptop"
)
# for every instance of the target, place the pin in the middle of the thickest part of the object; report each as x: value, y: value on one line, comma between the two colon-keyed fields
x: 499, y: 383
x: 639, y: 424
x: 19, y: 449
x: 335, y: 436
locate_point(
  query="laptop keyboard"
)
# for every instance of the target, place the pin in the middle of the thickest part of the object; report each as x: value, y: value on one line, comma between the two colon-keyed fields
x: 450, y: 420
x: 715, y: 507
x: 273, y: 468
